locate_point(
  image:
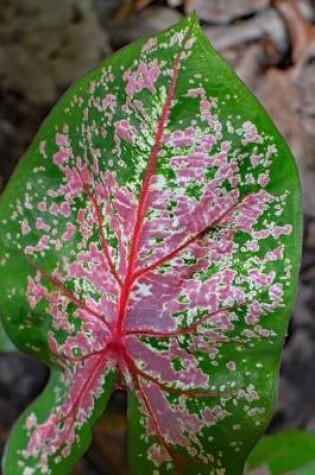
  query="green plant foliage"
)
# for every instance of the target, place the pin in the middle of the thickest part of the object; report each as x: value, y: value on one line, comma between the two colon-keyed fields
x: 291, y: 452
x: 150, y: 240
x: 5, y: 342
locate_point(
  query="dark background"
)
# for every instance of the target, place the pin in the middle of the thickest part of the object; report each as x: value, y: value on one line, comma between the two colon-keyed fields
x: 47, y: 44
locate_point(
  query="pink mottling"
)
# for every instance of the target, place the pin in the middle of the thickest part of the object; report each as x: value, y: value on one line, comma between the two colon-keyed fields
x: 278, y: 231
x: 231, y: 366
x: 25, y: 227
x: 149, y: 45
x: 67, y: 235
x: 144, y: 77
x: 61, y: 157
x: 197, y: 92
x: 254, y: 160
x: 31, y: 421
x: 251, y: 134
x: 42, y: 206
x: 35, y: 291
x: 263, y: 179
x: 41, y: 225
x: 125, y: 131
x: 62, y: 209
x: 158, y: 454
x: 259, y: 279
x: 62, y: 140
x: 276, y: 292
x: 40, y: 246
x: 276, y: 254
x: 109, y: 102
x: 208, y: 417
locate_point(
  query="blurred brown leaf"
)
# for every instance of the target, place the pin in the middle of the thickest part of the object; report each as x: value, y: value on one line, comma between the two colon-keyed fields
x: 130, y: 7
x: 148, y: 21
x: 107, y: 454
x: 289, y: 95
x: 109, y: 451
x: 224, y: 11
x: 302, y: 33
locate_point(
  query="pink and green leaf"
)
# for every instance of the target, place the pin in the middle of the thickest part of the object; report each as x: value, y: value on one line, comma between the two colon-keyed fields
x: 151, y: 239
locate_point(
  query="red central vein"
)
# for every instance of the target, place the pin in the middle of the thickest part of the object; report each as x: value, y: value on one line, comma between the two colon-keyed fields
x: 143, y: 200
x: 189, y: 241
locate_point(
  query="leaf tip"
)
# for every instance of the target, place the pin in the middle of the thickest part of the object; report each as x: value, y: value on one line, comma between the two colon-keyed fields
x: 193, y: 17
x: 192, y: 20
x: 193, y: 23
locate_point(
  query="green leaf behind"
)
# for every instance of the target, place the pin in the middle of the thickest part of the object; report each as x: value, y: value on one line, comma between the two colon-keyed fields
x: 291, y: 452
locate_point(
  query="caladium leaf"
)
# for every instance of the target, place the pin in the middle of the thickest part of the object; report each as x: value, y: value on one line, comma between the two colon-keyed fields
x: 151, y: 238
x: 291, y: 452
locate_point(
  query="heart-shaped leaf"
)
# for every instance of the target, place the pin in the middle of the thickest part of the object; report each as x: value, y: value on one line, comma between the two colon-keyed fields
x: 291, y: 452
x: 151, y: 238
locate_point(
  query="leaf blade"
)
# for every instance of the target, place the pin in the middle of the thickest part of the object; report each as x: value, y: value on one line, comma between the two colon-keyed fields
x: 176, y: 207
